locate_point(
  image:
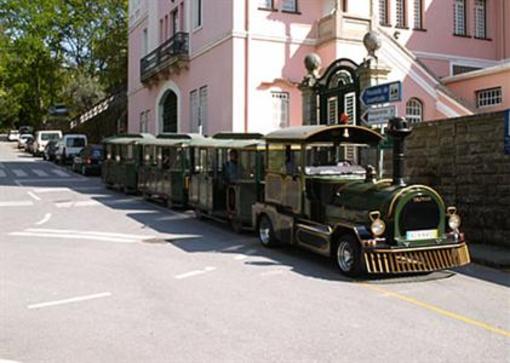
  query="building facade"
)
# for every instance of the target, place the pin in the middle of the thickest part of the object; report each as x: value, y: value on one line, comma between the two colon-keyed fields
x: 236, y: 65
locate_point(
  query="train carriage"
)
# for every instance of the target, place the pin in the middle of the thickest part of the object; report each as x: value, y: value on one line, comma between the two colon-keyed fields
x: 226, y: 174
x: 122, y: 159
x: 318, y: 196
x: 164, y: 171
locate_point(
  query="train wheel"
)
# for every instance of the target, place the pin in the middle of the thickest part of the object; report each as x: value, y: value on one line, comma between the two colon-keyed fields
x: 348, y: 256
x: 266, y: 232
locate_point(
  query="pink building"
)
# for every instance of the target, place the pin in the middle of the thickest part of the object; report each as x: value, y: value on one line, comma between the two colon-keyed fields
x: 220, y: 65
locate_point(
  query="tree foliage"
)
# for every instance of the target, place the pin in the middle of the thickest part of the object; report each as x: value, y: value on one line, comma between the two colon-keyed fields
x: 59, y: 51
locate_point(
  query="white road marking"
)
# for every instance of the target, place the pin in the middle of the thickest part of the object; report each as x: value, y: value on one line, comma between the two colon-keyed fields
x: 245, y: 256
x: 233, y: 248
x: 72, y: 236
x: 174, y: 217
x: 51, y: 190
x: 45, y: 180
x: 2, y: 174
x: 195, y: 273
x: 60, y: 172
x: 74, y: 231
x: 40, y: 172
x: 22, y: 203
x: 271, y: 273
x: 8, y: 361
x: 19, y: 173
x: 46, y: 218
x: 71, y: 300
x: 34, y: 196
x: 82, y: 203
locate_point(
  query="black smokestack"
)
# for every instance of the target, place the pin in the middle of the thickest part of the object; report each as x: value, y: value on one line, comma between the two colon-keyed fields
x: 398, y: 129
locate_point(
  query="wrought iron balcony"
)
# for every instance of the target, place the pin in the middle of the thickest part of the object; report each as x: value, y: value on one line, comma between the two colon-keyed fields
x: 173, y: 53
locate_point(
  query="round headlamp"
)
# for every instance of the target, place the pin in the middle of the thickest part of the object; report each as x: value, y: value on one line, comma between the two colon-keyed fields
x: 378, y: 227
x: 454, y: 221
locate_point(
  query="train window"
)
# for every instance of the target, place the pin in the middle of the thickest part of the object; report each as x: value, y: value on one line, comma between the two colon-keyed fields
x: 108, y: 151
x: 175, y: 158
x: 129, y: 152
x: 330, y: 159
x: 222, y: 159
x: 248, y: 164
x: 196, y: 160
x: 159, y: 157
x: 165, y: 158
x: 276, y: 158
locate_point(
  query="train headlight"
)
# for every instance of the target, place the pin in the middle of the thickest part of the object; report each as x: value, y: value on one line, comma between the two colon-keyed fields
x: 454, y: 219
x: 378, y: 226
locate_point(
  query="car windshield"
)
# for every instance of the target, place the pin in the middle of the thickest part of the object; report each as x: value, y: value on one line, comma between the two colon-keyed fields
x: 329, y: 159
x: 75, y: 142
x: 50, y: 136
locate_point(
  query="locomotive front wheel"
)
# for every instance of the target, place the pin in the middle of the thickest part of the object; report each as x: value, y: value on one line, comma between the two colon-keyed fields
x: 266, y: 232
x: 348, y: 256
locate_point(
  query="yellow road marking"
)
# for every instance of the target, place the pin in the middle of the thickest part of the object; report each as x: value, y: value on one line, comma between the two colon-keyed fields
x: 438, y: 310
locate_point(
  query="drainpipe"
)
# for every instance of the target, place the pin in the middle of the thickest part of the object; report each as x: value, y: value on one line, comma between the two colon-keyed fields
x: 246, y: 63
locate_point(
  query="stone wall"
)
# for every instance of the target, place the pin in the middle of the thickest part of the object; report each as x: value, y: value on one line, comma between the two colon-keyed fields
x: 463, y: 159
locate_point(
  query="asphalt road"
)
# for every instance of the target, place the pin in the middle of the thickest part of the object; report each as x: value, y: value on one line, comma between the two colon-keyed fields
x: 92, y: 275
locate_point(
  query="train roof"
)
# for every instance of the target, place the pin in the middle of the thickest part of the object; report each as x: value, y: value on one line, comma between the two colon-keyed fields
x: 321, y: 133
x: 238, y: 135
x: 127, y: 138
x: 227, y: 143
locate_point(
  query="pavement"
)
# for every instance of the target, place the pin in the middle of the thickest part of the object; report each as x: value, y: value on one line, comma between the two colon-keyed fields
x: 89, y: 274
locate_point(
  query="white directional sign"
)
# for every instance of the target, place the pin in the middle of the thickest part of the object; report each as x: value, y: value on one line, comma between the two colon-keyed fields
x: 379, y: 115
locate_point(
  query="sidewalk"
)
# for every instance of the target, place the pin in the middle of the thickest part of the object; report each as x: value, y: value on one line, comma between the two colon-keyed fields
x: 490, y: 255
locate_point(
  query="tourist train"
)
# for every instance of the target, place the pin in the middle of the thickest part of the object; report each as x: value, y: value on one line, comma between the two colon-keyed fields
x: 310, y: 186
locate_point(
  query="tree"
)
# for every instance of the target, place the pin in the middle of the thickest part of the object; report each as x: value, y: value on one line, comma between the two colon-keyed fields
x: 49, y: 47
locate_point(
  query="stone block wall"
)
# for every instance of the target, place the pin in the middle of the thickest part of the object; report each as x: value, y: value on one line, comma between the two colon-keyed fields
x: 463, y: 159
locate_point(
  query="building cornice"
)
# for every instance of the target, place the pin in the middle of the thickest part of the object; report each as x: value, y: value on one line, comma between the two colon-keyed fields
x: 457, y: 59
x: 480, y: 73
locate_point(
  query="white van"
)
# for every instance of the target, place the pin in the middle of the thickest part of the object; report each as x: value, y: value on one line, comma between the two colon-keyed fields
x: 43, y: 137
x: 69, y: 146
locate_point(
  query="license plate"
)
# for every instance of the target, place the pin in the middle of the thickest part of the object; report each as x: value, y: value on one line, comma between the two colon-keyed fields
x: 423, y: 234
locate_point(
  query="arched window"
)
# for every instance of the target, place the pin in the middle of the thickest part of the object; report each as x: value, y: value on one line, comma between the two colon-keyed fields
x: 414, y: 110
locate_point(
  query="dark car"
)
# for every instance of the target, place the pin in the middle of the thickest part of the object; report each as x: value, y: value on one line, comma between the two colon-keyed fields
x: 29, y: 145
x: 49, y: 150
x: 89, y: 160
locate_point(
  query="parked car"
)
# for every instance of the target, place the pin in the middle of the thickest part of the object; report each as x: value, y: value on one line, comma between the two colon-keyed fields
x: 22, y: 140
x: 49, y: 150
x: 69, y: 146
x: 89, y: 160
x: 43, y: 137
x: 29, y: 146
x: 13, y: 135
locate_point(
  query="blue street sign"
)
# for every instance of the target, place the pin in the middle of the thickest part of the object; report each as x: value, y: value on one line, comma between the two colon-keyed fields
x: 384, y: 93
x: 507, y: 133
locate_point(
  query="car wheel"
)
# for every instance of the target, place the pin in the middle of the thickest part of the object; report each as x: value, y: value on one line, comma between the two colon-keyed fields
x: 267, y: 236
x: 348, y: 256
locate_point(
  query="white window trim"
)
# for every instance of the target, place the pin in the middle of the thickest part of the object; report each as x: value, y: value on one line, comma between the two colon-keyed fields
x: 284, y: 118
x: 199, y: 27
x: 409, y: 116
x: 478, y: 92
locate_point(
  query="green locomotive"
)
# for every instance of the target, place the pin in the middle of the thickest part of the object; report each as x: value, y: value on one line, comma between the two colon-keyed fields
x: 319, y: 198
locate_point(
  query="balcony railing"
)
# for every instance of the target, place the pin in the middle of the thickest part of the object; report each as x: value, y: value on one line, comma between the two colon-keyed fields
x: 173, y: 52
